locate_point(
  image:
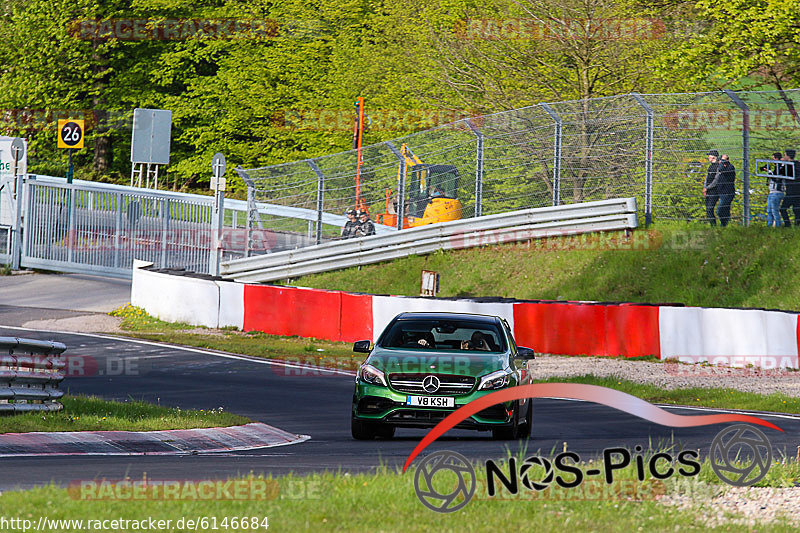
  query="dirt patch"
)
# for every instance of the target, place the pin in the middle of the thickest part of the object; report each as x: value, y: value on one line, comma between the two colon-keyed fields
x: 92, y: 323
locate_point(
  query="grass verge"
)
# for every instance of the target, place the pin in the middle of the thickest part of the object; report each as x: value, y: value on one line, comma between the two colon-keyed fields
x: 88, y: 413
x: 385, y: 501
x: 695, y: 396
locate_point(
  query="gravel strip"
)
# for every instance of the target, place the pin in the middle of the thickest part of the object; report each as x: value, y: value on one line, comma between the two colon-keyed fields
x: 741, y: 505
x: 94, y: 323
x: 670, y: 375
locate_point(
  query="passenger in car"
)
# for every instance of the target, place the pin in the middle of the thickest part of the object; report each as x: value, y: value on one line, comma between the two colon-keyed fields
x: 479, y: 342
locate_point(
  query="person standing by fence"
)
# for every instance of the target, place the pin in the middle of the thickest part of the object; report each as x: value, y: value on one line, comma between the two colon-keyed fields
x: 777, y: 191
x: 719, y: 187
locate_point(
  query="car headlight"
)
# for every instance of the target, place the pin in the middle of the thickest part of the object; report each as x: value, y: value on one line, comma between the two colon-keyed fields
x: 495, y: 380
x: 371, y: 375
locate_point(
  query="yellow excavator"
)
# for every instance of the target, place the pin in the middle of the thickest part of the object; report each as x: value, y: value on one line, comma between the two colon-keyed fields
x: 432, y: 193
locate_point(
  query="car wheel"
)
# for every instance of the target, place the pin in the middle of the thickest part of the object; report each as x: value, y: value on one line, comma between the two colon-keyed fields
x: 385, y: 431
x: 503, y: 433
x: 524, y: 429
x: 370, y: 430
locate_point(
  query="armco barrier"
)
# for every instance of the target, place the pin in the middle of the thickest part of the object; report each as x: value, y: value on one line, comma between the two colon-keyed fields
x: 30, y: 371
x: 768, y: 338
x: 588, y: 217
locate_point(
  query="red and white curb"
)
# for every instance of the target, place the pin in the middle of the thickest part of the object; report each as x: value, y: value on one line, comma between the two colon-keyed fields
x: 169, y: 442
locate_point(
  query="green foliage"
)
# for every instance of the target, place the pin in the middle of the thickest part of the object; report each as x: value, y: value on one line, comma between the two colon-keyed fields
x: 243, y: 96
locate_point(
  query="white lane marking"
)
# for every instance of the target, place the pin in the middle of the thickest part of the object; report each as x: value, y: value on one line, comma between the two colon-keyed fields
x: 693, y: 408
x: 257, y: 360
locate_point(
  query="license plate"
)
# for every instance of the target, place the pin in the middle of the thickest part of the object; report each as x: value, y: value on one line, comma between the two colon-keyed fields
x: 430, y: 401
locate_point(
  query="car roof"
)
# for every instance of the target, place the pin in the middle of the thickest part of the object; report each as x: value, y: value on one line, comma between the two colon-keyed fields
x: 447, y: 316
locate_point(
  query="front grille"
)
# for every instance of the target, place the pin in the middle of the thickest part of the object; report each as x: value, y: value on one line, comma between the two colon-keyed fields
x: 423, y: 418
x: 449, y: 384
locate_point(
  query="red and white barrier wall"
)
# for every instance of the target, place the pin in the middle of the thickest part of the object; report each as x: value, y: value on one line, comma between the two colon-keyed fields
x: 736, y: 337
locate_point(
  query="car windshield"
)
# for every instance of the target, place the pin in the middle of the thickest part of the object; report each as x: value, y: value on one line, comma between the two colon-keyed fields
x: 444, y: 335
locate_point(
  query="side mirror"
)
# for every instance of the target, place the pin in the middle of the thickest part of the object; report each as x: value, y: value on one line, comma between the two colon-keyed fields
x: 525, y: 353
x: 361, y: 346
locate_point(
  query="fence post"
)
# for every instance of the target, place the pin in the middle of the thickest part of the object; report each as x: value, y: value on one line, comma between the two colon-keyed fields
x: 556, y: 152
x: 320, y: 196
x: 252, y: 210
x: 164, y: 208
x: 71, y: 201
x: 16, y: 240
x: 401, y: 184
x: 478, y: 168
x: 648, y: 164
x: 745, y: 154
x: 118, y: 230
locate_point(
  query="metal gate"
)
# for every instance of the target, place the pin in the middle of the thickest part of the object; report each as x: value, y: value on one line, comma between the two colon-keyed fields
x: 96, y: 228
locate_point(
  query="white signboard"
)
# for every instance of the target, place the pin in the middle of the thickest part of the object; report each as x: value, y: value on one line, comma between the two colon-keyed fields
x: 7, y: 205
x: 152, y: 129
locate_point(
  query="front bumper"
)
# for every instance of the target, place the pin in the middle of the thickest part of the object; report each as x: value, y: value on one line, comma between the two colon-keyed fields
x: 383, y: 404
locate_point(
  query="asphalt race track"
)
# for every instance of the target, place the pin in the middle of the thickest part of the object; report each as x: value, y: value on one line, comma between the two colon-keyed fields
x: 314, y: 404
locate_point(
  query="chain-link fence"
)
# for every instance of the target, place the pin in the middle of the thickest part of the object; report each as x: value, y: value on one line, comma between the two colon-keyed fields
x: 651, y: 146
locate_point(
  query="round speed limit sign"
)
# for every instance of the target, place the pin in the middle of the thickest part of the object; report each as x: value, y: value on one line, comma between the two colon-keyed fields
x: 70, y: 133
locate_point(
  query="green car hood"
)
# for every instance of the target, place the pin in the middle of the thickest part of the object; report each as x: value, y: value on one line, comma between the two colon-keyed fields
x: 434, y: 362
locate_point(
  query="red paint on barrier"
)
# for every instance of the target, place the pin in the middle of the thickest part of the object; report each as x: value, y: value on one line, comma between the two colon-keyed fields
x: 587, y: 329
x: 560, y: 328
x: 292, y: 311
x: 632, y: 330
x: 355, y: 317
x: 797, y: 360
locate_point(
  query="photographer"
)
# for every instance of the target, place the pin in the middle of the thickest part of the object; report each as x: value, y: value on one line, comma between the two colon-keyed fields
x: 792, y: 198
x: 719, y: 187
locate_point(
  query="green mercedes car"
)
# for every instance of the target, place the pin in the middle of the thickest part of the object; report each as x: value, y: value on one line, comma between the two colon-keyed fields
x: 424, y: 366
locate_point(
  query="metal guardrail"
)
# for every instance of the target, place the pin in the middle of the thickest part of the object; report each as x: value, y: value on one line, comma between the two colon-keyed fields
x: 236, y: 209
x: 30, y: 372
x: 99, y: 228
x: 604, y: 215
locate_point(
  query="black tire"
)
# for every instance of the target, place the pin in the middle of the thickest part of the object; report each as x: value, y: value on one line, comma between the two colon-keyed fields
x: 385, y: 431
x: 503, y: 433
x: 369, y: 430
x: 524, y: 429
x: 519, y: 430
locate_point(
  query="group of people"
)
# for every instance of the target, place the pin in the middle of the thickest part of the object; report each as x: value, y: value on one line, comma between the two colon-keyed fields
x: 783, y: 195
x: 358, y: 225
x: 719, y: 189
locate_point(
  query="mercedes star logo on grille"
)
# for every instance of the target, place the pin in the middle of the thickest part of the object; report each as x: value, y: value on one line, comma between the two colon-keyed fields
x: 430, y: 384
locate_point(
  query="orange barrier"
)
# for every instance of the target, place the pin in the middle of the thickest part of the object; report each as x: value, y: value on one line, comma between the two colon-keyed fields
x: 587, y: 329
x: 320, y: 314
